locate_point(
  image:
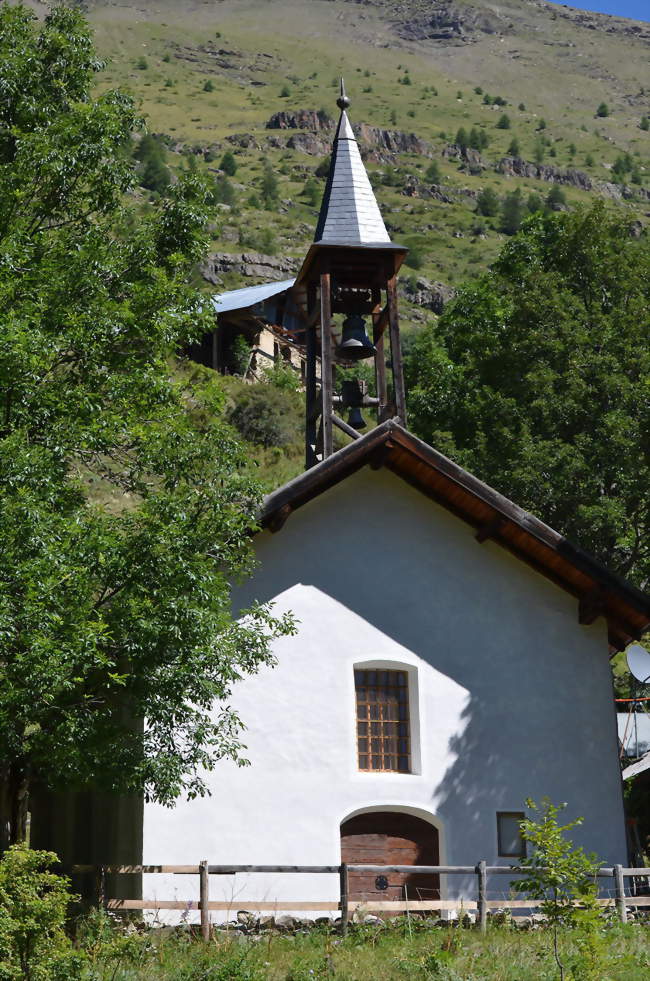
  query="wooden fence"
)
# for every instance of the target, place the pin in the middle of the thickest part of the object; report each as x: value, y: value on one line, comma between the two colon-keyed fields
x: 616, y: 875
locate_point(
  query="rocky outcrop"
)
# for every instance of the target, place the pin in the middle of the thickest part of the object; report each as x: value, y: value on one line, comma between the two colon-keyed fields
x: 469, y: 158
x: 444, y: 20
x: 309, y: 119
x: 254, y: 264
x: 516, y: 167
x: 422, y: 293
x: 309, y: 143
x: 316, y: 129
x: 392, y: 140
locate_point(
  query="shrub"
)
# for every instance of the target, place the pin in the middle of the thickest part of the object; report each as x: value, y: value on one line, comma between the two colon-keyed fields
x: 432, y: 173
x: 504, y: 122
x: 522, y: 107
x: 514, y: 149
x: 223, y: 192
x: 487, y: 203
x: 208, y: 86
x: 645, y: 123
x: 534, y: 203
x: 312, y: 191
x: 269, y: 187
x: 478, y: 90
x: 152, y: 171
x: 142, y: 64
x: 267, y: 416
x: 541, y: 124
x: 415, y: 257
x: 285, y: 92
x: 487, y: 100
x: 556, y: 198
x: 602, y: 110
x: 167, y: 57
x: 228, y: 164
x: 512, y: 212
x: 33, y: 906
x: 462, y: 139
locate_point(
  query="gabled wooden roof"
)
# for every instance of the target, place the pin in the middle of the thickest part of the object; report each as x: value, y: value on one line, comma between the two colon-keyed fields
x: 598, y: 591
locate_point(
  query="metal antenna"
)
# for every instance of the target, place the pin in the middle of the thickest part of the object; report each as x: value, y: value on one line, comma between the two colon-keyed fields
x: 343, y: 102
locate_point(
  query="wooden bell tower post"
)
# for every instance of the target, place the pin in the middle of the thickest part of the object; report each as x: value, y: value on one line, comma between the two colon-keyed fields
x: 350, y: 269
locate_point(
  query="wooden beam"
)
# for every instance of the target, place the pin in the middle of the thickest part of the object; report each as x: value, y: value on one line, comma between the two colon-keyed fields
x: 279, y: 518
x: 344, y: 427
x: 396, y: 350
x: 310, y: 398
x: 490, y: 529
x: 326, y: 362
x: 591, y: 606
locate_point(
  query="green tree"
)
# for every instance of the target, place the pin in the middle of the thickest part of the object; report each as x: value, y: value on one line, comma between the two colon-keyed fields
x: 559, y: 874
x: 602, y: 110
x: 488, y: 203
x: 462, y: 140
x: 312, y: 192
x: 269, y: 187
x: 536, y: 379
x: 534, y: 203
x: 224, y: 192
x: 514, y: 149
x: 645, y: 123
x: 503, y: 122
x: 208, y: 85
x: 512, y: 212
x: 153, y: 172
x: 432, y: 173
x: 124, y: 506
x: 539, y: 151
x: 556, y: 198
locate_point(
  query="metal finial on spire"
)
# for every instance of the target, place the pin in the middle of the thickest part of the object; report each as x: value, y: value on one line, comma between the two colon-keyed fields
x: 343, y: 102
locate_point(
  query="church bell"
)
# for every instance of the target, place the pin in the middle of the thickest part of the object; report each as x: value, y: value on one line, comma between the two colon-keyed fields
x: 355, y: 343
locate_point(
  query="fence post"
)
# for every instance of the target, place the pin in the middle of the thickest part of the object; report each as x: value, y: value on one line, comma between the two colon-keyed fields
x: 343, y: 878
x: 204, y: 896
x: 619, y: 889
x: 481, y: 874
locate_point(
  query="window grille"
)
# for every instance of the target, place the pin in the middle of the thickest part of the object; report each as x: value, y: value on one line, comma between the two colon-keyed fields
x: 383, y: 735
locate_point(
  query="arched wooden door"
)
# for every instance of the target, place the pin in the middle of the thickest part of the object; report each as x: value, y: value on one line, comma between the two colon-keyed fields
x: 390, y: 838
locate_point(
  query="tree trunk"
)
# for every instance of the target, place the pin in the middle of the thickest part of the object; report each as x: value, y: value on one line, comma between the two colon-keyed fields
x: 14, y: 804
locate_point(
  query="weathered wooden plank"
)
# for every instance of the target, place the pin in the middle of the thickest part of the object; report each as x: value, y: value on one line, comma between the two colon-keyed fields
x: 152, y: 904
x: 402, y: 905
x: 141, y: 869
x: 234, y: 869
x: 416, y: 869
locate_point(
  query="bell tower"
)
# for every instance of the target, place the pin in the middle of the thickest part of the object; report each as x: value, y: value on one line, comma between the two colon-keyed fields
x: 351, y: 269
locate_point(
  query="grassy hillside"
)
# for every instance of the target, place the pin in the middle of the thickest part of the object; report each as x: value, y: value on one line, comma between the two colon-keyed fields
x: 208, y: 73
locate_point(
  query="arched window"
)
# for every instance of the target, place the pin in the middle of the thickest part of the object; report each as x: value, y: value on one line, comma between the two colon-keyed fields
x: 383, y: 720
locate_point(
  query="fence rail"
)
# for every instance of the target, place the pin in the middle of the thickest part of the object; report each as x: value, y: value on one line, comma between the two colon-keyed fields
x: 615, y: 874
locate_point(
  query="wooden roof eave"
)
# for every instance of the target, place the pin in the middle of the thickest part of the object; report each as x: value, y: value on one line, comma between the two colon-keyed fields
x: 495, y: 517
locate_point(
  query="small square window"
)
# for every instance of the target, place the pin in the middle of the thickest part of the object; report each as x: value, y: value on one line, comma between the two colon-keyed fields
x: 511, y: 842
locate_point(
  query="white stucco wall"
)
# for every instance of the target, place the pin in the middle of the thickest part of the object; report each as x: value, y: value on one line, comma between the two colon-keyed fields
x: 513, y: 699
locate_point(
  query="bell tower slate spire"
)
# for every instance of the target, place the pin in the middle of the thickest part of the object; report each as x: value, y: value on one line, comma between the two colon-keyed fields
x: 349, y: 214
x: 351, y: 270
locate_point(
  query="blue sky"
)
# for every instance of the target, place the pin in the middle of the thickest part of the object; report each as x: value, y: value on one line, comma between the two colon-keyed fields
x: 637, y: 9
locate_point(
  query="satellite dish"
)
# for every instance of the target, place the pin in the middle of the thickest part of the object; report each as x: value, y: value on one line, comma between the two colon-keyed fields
x: 638, y: 661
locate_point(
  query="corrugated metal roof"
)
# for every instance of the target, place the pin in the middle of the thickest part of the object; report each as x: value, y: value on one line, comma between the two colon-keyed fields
x: 636, y: 768
x: 349, y: 213
x: 249, y: 296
